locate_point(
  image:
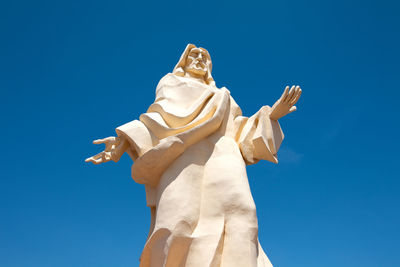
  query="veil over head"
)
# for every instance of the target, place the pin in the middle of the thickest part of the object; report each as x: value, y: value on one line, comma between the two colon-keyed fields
x: 179, y: 69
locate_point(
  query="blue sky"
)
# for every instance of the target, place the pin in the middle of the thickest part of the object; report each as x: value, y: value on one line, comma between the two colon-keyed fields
x: 72, y: 71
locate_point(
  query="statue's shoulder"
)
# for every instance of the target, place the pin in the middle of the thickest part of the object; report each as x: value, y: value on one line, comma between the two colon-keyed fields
x: 169, y: 79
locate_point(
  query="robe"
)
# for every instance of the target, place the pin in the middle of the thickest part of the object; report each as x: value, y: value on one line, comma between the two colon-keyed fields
x: 190, y: 150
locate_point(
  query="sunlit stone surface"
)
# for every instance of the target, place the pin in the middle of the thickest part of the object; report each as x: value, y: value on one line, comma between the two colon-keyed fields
x: 190, y: 150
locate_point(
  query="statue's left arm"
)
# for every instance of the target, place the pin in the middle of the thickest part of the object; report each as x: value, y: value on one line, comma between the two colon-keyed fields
x: 260, y: 136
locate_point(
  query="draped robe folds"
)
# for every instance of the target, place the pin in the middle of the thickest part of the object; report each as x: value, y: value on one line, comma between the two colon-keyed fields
x: 190, y: 150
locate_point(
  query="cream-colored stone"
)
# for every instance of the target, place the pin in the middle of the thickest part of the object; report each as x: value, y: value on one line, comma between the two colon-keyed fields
x: 190, y: 150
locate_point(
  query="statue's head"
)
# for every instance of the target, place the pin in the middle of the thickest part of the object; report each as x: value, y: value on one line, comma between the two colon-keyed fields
x: 195, y: 62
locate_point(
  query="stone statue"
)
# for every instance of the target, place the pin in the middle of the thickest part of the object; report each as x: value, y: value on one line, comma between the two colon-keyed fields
x: 190, y: 150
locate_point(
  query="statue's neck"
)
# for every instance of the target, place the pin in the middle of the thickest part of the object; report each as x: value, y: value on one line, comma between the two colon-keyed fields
x: 195, y: 77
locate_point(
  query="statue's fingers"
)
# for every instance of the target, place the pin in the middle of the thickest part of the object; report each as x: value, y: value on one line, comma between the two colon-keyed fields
x: 296, y: 98
x: 290, y: 95
x: 95, y: 157
x: 94, y: 161
x: 98, y: 141
x: 285, y: 93
x: 294, y: 94
x: 97, y: 161
x: 292, y: 109
x: 103, y: 140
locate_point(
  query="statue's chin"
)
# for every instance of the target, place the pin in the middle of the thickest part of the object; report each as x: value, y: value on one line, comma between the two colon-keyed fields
x: 196, y: 72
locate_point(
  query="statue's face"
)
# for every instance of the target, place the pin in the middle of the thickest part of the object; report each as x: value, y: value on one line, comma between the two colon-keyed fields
x: 197, y: 62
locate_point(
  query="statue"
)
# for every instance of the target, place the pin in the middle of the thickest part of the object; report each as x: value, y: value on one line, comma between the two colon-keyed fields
x: 190, y: 150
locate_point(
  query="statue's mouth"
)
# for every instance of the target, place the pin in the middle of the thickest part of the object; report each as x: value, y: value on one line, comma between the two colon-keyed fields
x: 199, y: 64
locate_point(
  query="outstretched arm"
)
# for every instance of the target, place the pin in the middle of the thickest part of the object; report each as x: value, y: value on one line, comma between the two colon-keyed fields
x: 115, y: 147
x: 286, y: 103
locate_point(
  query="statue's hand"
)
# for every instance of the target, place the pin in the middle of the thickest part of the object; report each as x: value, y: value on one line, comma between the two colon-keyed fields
x: 109, y: 152
x: 286, y: 103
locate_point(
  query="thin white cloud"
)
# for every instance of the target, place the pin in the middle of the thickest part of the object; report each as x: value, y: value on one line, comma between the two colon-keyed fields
x: 288, y: 155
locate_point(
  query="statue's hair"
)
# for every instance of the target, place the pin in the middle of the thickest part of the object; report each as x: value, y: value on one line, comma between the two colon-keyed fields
x: 179, y: 69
